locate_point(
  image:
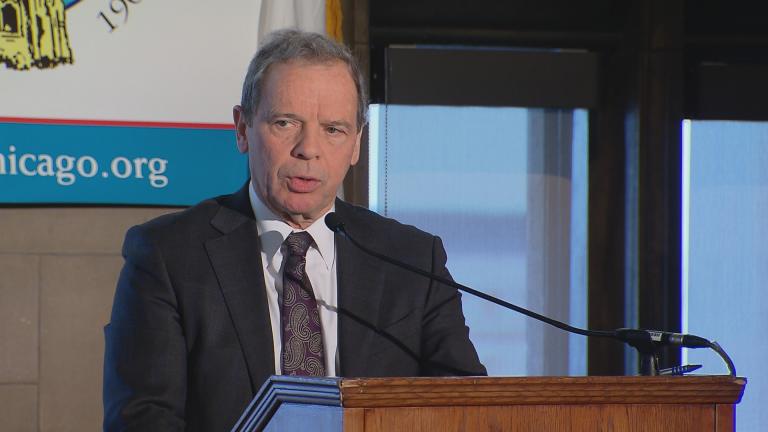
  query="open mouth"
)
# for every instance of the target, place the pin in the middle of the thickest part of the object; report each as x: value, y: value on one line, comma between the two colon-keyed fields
x: 302, y: 184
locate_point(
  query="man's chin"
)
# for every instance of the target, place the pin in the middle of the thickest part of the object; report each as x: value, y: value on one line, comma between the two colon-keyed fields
x: 304, y: 211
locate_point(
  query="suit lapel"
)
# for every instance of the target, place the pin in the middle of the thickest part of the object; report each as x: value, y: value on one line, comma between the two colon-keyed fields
x: 236, y: 259
x: 360, y: 285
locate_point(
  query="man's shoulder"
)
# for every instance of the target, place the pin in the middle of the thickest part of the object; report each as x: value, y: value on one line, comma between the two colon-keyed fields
x: 194, y: 222
x: 373, y: 228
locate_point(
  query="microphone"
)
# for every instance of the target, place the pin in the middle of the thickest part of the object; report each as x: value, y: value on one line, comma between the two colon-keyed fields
x: 335, y: 224
x: 631, y: 336
x: 645, y: 341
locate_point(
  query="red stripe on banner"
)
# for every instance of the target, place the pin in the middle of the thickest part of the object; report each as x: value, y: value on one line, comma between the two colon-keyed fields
x: 179, y: 125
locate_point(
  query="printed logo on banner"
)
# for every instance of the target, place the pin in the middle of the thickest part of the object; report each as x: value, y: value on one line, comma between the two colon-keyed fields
x: 34, y: 33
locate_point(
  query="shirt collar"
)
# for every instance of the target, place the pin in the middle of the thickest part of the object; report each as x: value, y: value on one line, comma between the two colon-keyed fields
x: 273, y: 230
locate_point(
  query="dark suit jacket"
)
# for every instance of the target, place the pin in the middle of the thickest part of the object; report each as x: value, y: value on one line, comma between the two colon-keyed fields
x: 190, y: 341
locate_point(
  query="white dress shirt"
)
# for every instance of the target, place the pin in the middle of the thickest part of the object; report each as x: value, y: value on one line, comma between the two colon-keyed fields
x: 321, y: 269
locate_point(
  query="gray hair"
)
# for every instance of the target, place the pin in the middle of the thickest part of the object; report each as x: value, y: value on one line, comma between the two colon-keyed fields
x: 285, y: 45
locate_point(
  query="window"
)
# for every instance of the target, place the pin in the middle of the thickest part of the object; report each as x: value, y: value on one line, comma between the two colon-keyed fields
x: 505, y: 188
x: 725, y: 253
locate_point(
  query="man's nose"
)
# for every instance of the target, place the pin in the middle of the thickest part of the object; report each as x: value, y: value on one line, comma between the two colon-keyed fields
x: 308, y: 144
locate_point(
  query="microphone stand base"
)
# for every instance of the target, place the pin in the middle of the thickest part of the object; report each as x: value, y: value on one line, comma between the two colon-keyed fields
x: 649, y: 357
x: 649, y: 363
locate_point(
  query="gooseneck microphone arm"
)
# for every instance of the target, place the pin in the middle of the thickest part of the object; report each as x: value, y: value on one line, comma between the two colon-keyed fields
x: 645, y: 341
x: 337, y: 226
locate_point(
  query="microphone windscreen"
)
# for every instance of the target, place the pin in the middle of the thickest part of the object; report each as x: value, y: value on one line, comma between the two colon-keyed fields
x: 333, y: 222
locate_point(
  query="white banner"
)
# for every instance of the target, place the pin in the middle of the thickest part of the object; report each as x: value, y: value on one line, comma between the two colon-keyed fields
x: 148, y: 60
x: 128, y: 101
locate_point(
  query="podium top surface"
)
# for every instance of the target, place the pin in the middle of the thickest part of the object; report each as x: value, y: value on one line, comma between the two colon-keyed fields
x: 364, y: 392
x: 465, y: 391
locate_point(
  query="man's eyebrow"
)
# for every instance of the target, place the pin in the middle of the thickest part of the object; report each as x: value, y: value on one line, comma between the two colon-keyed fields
x: 272, y: 114
x: 341, y: 123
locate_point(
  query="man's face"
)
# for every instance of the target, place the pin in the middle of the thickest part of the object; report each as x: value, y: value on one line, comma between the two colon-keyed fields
x: 302, y: 139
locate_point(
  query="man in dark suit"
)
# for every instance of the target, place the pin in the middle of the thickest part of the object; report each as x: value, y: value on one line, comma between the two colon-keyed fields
x: 205, y: 306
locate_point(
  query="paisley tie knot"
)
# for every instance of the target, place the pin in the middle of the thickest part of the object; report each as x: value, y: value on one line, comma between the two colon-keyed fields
x: 298, y: 243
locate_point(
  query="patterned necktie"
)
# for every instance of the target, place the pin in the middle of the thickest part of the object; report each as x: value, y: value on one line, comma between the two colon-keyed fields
x: 302, y: 338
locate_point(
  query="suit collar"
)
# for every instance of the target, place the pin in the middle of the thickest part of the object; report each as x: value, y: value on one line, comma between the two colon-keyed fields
x: 235, y: 210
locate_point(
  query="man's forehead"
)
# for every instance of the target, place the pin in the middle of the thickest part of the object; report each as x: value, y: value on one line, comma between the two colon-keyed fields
x: 285, y: 89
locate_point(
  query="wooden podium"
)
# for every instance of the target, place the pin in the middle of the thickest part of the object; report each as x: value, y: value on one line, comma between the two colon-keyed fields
x: 694, y: 403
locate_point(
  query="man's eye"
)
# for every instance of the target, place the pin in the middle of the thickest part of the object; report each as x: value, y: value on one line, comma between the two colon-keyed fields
x: 282, y: 123
x: 334, y: 131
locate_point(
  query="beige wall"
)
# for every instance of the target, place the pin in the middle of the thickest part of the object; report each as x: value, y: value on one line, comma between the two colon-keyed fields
x: 58, y: 268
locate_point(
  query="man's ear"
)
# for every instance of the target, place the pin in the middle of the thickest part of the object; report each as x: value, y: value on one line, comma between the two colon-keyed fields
x: 241, y: 127
x: 356, y: 150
